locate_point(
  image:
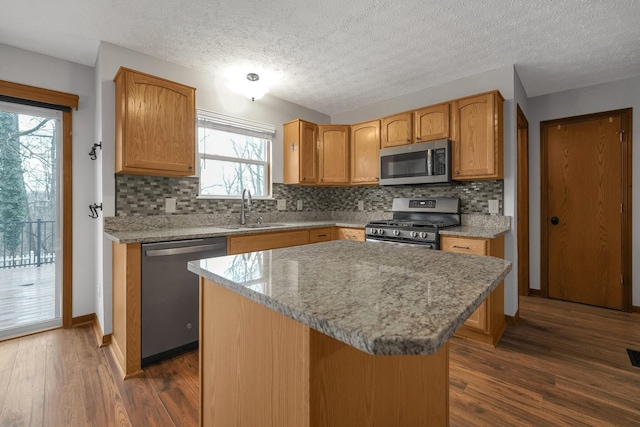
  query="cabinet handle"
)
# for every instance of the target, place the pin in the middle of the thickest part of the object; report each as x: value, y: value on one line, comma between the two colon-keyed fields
x: 190, y: 166
x: 457, y: 172
x: 322, y: 235
x: 304, y: 178
x: 417, y: 138
x: 293, y: 146
x: 408, y: 140
x: 461, y: 247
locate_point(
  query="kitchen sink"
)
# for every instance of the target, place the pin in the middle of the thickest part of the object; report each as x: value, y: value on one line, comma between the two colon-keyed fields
x: 238, y: 226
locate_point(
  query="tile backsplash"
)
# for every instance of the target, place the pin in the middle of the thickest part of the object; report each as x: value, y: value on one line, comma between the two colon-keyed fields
x: 139, y: 195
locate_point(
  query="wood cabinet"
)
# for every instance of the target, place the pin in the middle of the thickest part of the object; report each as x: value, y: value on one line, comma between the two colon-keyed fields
x: 396, y: 130
x: 431, y: 123
x: 348, y: 233
x: 300, y: 156
x: 477, y: 140
x: 264, y: 241
x: 333, y: 154
x: 365, y: 152
x: 487, y: 323
x: 317, y: 235
x: 155, y: 125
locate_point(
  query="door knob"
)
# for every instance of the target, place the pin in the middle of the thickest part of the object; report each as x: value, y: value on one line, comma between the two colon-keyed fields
x: 554, y: 220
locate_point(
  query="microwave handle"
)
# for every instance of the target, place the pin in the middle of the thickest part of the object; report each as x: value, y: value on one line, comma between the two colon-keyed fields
x: 429, y: 162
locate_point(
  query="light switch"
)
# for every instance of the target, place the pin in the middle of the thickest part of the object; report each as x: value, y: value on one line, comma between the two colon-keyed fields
x: 360, y: 205
x: 494, y: 206
x: 170, y: 205
x: 282, y: 204
x: 299, y: 205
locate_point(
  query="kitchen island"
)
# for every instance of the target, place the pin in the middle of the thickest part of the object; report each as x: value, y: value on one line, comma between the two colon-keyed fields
x: 336, y: 333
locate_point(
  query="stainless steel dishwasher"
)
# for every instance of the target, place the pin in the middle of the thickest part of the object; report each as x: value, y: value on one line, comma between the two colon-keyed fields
x: 169, y: 295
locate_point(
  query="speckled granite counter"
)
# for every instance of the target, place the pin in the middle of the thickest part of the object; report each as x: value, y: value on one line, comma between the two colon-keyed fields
x: 182, y: 233
x: 381, y: 299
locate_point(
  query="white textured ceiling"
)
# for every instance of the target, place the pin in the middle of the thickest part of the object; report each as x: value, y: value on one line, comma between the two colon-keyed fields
x: 334, y: 56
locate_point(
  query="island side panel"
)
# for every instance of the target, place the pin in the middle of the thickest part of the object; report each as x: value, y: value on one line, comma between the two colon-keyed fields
x: 253, y: 363
x: 353, y: 388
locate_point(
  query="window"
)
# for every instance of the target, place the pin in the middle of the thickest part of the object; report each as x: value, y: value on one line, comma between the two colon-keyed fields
x: 234, y: 154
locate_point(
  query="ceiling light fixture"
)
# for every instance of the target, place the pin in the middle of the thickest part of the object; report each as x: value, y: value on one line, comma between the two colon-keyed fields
x: 254, y: 89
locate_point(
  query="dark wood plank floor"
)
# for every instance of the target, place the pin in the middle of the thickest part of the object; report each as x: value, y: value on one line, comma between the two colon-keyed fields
x: 563, y: 364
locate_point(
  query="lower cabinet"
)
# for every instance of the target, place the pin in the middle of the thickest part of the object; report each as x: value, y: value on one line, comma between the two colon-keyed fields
x: 487, y: 323
x: 348, y: 233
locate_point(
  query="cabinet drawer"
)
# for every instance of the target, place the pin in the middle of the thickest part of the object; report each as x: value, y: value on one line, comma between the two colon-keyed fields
x: 464, y: 245
x: 317, y: 235
x: 344, y: 233
x: 264, y: 241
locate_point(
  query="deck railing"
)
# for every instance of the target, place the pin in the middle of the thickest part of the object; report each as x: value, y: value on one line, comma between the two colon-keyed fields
x: 32, y: 244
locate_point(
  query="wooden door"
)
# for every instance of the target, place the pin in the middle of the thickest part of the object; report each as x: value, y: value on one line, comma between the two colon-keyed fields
x: 334, y: 153
x: 431, y: 123
x: 396, y: 130
x: 523, y: 203
x: 365, y: 152
x: 584, y: 211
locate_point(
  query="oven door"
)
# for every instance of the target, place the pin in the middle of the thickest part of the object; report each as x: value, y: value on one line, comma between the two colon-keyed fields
x: 397, y: 243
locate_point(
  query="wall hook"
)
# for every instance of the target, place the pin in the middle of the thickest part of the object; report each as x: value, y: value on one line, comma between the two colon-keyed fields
x: 94, y: 210
x: 93, y: 153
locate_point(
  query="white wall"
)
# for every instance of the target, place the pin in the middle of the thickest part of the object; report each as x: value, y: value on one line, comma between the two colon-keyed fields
x: 21, y: 66
x: 212, y: 94
x: 501, y: 79
x: 592, y: 99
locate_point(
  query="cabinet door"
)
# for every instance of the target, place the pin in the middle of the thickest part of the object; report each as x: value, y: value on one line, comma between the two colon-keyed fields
x: 265, y: 241
x: 300, y: 162
x: 431, y: 123
x: 308, y: 152
x: 396, y: 130
x: 478, y: 140
x: 345, y: 233
x: 478, y: 319
x: 334, y: 154
x: 365, y: 152
x: 158, y: 129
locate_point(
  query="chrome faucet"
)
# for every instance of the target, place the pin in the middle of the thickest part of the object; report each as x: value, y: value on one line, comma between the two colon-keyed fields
x: 243, y: 214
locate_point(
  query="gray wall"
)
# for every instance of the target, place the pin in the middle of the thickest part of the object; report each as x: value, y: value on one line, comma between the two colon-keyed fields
x: 34, y: 69
x: 501, y: 79
x: 593, y: 99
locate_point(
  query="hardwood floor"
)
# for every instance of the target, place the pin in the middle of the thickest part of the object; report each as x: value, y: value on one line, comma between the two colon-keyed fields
x: 563, y: 364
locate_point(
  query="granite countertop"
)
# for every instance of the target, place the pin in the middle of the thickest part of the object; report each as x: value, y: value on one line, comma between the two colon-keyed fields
x: 182, y: 233
x: 381, y: 299
x: 475, y: 231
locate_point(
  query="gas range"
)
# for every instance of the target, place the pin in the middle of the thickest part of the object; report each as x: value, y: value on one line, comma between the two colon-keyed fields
x: 416, y: 221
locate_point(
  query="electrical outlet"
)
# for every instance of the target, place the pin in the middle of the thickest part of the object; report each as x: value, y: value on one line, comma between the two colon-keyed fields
x: 282, y: 204
x: 494, y: 206
x: 299, y: 205
x: 170, y: 205
x: 99, y: 288
x: 360, y: 205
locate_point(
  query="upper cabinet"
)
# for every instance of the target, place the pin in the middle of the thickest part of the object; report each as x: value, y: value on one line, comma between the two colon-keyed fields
x: 396, y: 130
x: 300, y: 152
x: 478, y: 137
x: 333, y: 148
x: 365, y: 152
x: 155, y: 125
x: 431, y: 123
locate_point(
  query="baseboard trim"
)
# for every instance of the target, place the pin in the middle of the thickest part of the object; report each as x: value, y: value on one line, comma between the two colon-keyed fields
x: 635, y: 309
x: 534, y: 292
x: 102, y: 339
x: 512, y: 320
x: 84, y: 319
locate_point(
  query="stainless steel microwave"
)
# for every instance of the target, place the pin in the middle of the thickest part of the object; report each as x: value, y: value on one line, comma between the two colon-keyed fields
x: 423, y: 163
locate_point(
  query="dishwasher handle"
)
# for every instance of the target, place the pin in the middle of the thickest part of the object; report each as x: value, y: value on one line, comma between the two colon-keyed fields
x: 185, y: 250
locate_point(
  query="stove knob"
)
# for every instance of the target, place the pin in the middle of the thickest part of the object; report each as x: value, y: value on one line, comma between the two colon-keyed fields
x: 380, y: 231
x: 373, y: 231
x: 396, y: 232
x: 423, y: 235
x: 413, y: 234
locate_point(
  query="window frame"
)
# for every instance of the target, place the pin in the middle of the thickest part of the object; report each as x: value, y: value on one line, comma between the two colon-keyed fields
x: 242, y: 127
